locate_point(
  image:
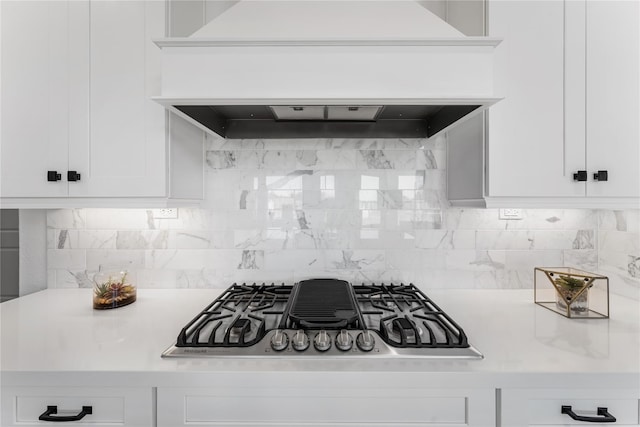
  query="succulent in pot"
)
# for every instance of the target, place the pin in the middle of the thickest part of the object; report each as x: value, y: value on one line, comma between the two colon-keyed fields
x: 112, y: 289
x: 572, y: 292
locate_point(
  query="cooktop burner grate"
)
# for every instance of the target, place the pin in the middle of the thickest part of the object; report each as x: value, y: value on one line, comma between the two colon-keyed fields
x: 238, y: 318
x: 406, y: 317
x: 323, y: 318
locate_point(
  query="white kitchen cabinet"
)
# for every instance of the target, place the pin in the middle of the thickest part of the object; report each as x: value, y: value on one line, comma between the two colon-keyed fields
x: 330, y: 406
x: 22, y: 406
x: 34, y: 98
x: 613, y: 96
x: 569, y: 73
x: 543, y: 407
x: 76, y: 89
x: 124, y: 151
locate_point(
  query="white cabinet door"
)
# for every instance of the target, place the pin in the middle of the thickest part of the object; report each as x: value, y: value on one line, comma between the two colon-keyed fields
x: 333, y: 406
x: 124, y: 148
x: 543, y: 407
x: 109, y: 406
x: 77, y: 77
x: 613, y: 97
x: 34, y: 100
x: 526, y: 145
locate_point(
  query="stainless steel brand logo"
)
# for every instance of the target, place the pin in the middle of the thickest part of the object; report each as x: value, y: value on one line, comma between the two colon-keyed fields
x: 195, y: 350
x: 206, y: 350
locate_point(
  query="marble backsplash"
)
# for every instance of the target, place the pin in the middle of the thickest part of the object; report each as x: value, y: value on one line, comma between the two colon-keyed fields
x: 362, y: 210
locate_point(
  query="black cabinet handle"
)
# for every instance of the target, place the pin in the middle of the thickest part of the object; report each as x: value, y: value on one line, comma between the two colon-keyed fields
x: 580, y: 176
x: 604, y: 415
x: 52, y: 410
x: 53, y: 176
x: 73, y: 176
x: 601, y: 176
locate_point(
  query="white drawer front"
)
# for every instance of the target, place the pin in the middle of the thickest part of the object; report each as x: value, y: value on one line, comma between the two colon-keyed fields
x: 529, y: 407
x: 22, y: 406
x: 336, y: 407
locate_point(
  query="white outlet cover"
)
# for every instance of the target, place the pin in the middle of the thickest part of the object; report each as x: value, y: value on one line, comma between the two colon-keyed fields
x: 510, y: 213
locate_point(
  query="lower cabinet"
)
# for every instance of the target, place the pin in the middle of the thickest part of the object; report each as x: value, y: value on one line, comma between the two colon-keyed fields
x: 559, y: 407
x: 334, y: 406
x: 317, y: 406
x: 77, y: 406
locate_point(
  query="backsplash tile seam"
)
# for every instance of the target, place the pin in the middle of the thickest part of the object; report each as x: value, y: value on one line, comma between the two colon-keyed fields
x: 359, y: 209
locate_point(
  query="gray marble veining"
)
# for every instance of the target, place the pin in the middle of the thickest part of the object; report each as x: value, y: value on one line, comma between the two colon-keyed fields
x: 358, y: 209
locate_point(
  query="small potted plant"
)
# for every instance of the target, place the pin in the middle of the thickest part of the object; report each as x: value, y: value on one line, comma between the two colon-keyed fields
x: 572, y: 292
x: 112, y: 289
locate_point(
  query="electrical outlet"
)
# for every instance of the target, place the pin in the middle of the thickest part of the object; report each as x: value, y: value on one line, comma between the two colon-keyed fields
x: 510, y: 214
x: 165, y: 213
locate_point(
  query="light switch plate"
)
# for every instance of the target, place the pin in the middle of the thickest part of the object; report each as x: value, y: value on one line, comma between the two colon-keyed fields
x: 165, y: 213
x: 510, y: 214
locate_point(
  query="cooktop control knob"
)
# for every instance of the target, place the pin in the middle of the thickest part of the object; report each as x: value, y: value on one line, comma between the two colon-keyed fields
x: 300, y: 341
x: 279, y: 340
x: 322, y: 341
x: 365, y: 341
x: 344, y: 341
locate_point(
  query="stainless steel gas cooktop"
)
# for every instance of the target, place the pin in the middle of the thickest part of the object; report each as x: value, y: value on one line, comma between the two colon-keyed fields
x: 323, y: 318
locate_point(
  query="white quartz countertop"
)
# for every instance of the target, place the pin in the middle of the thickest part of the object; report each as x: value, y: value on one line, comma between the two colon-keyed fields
x: 58, y: 331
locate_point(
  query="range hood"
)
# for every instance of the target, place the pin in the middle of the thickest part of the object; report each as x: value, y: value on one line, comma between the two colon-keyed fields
x: 323, y: 68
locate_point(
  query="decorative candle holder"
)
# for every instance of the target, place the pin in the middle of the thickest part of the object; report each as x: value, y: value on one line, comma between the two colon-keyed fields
x: 571, y: 292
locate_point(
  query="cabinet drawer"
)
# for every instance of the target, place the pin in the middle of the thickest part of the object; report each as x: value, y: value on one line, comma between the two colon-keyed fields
x: 22, y: 406
x: 354, y: 407
x: 527, y: 407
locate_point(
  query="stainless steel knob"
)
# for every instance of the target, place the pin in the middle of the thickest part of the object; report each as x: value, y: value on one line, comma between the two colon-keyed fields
x: 344, y: 341
x: 322, y: 341
x: 300, y: 341
x: 365, y: 341
x: 279, y: 340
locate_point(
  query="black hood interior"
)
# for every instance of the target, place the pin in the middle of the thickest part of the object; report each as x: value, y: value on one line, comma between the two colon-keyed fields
x: 389, y: 121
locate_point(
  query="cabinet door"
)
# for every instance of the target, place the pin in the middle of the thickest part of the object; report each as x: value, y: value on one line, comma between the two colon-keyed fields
x: 526, y: 144
x: 110, y: 406
x: 334, y: 406
x: 613, y: 97
x: 543, y: 407
x: 34, y: 99
x: 124, y: 151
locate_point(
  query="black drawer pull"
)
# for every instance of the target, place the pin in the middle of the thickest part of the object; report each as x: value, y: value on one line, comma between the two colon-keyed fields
x: 73, y: 176
x: 604, y: 416
x: 601, y: 176
x: 580, y: 176
x: 52, y: 410
x: 53, y: 176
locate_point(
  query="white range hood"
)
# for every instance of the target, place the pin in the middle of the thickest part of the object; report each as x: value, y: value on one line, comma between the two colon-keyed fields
x: 309, y: 68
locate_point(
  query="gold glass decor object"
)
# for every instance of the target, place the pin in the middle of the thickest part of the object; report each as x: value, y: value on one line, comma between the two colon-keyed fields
x: 113, y: 288
x: 571, y: 292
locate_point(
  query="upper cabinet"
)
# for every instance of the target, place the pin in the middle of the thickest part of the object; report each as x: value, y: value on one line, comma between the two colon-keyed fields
x: 77, y: 78
x: 125, y: 146
x: 569, y: 73
x: 613, y: 97
x: 34, y: 96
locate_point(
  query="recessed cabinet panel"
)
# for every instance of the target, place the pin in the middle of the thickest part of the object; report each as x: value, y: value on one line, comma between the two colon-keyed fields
x: 613, y: 97
x: 23, y: 406
x: 323, y: 406
x: 125, y: 153
x: 34, y: 108
x: 526, y: 134
x: 525, y: 407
